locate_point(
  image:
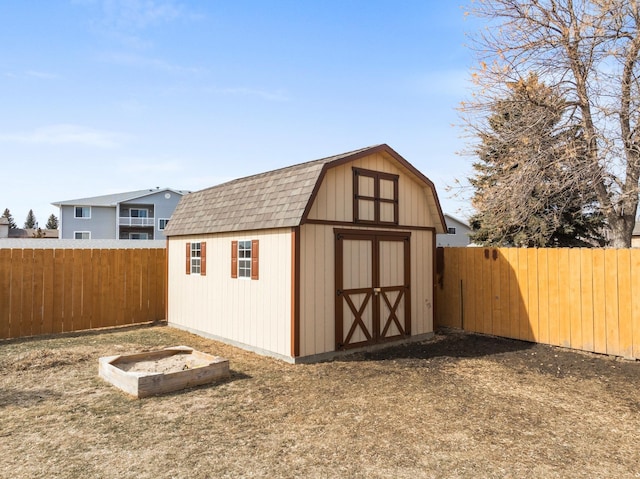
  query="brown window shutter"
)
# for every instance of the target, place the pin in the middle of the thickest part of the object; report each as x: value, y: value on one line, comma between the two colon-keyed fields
x: 188, y: 258
x: 254, y: 259
x: 203, y: 258
x: 234, y: 259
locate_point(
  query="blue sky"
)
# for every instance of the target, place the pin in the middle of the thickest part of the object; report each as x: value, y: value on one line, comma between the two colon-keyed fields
x: 105, y: 96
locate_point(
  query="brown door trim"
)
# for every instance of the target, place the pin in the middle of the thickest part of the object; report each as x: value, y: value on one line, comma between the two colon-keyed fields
x: 374, y: 294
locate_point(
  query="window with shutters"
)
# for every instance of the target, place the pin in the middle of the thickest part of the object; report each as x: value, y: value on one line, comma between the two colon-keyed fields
x: 244, y: 259
x: 375, y: 197
x: 196, y: 258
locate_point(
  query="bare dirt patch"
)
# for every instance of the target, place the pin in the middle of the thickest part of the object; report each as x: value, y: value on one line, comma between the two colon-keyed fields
x: 460, y: 405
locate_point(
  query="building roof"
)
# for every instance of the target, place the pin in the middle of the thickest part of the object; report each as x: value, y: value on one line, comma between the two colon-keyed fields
x: 275, y: 199
x: 457, y: 220
x: 116, y: 198
x: 38, y: 233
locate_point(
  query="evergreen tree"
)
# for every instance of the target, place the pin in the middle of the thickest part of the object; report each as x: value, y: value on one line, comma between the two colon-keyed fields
x: 531, y: 186
x: 30, y: 222
x: 12, y: 223
x: 588, y: 50
x: 52, y: 222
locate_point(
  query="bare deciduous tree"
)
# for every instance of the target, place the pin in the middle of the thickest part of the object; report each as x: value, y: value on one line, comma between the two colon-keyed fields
x: 589, y: 51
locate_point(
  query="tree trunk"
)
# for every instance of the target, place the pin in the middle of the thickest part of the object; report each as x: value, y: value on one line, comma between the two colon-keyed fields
x: 621, y: 228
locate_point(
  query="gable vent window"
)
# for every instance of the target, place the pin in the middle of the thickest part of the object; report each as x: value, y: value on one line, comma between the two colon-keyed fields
x: 244, y: 259
x: 375, y: 197
x: 451, y: 231
x: 196, y: 258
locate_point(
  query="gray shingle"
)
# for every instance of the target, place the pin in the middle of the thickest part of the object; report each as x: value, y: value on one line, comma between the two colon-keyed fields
x: 275, y: 199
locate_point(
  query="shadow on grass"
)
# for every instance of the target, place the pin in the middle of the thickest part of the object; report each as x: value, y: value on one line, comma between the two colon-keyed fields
x: 446, y: 344
x: 233, y: 376
x: 25, y: 398
x: 85, y: 332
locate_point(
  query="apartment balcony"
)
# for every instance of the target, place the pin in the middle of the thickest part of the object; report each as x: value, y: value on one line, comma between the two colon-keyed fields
x: 136, y: 222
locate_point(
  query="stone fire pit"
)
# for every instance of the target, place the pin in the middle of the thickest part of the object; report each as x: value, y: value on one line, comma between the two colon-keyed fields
x: 157, y: 372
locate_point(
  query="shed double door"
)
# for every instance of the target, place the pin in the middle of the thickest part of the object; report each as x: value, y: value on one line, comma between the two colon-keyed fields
x: 372, y: 287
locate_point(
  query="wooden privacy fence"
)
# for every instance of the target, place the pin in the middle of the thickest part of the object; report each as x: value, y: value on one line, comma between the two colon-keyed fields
x: 44, y: 291
x: 587, y: 299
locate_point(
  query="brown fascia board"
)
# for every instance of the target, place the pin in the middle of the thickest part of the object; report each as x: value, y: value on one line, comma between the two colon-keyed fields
x: 361, y: 154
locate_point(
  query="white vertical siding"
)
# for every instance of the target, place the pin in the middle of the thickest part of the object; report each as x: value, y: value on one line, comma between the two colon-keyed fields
x: 317, y: 290
x: 422, y: 267
x: 255, y: 313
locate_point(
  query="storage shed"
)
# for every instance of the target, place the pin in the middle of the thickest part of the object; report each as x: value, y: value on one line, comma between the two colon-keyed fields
x: 307, y: 261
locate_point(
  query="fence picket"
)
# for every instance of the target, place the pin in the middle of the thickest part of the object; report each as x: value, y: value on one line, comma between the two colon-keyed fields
x: 76, y: 291
x: 625, y: 335
x: 575, y: 309
x: 564, y: 322
x: 599, y: 303
x: 543, y: 296
x: 635, y: 302
x: 533, y: 309
x: 5, y: 292
x: 611, y: 301
x: 15, y: 326
x: 586, y: 300
x: 47, y: 294
x: 87, y: 289
x: 26, y: 312
x: 37, y: 300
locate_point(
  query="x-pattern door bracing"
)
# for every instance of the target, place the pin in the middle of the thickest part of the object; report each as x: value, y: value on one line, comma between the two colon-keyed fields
x: 372, y: 287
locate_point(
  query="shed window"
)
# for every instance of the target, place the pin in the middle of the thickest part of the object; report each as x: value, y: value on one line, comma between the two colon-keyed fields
x: 451, y: 231
x: 375, y: 197
x: 196, y: 258
x: 244, y: 259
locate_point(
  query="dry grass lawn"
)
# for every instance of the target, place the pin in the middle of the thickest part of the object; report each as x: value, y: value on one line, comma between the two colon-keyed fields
x: 457, y: 406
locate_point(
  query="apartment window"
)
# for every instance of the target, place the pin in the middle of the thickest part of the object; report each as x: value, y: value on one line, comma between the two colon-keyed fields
x: 196, y: 258
x: 139, y: 213
x: 451, y: 231
x: 162, y: 223
x: 82, y: 235
x: 82, y: 212
x: 244, y: 259
x: 139, y: 236
x: 375, y: 197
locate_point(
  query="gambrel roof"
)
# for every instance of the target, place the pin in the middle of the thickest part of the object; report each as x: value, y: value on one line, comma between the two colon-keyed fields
x: 275, y: 199
x: 116, y: 198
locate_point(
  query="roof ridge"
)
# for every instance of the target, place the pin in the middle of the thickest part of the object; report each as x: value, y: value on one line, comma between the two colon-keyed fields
x: 122, y: 196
